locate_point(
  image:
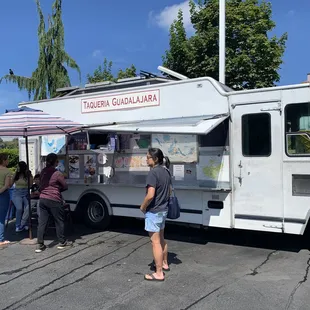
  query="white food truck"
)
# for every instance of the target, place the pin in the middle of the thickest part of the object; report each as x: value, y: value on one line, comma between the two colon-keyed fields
x: 239, y: 159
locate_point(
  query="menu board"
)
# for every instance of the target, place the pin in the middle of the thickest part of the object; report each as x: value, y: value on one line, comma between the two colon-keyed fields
x: 74, y: 166
x: 90, y: 163
x: 130, y: 163
x: 179, y: 148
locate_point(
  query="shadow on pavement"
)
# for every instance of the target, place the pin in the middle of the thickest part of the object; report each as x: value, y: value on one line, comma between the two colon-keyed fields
x: 73, y: 233
x: 179, y: 233
x: 273, y: 241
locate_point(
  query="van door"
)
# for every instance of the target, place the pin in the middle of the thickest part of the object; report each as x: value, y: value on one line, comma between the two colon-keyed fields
x: 257, y: 167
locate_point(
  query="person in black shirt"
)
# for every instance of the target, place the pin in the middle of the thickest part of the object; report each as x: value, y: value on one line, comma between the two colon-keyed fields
x: 155, y: 208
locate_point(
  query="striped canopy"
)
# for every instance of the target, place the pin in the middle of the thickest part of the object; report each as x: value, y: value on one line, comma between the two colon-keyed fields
x: 28, y: 122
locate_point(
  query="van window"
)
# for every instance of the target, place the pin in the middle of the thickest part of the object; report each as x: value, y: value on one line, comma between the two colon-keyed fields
x: 256, y: 134
x: 297, y: 129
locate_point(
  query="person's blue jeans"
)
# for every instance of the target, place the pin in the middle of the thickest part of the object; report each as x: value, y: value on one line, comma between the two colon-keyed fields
x: 20, y: 200
x: 11, y: 214
x: 4, y: 206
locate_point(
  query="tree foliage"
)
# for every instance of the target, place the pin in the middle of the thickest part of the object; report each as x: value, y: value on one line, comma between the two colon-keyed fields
x: 104, y: 73
x: 253, y: 58
x: 13, y: 144
x: 178, y: 57
x: 13, y: 157
x: 51, y: 72
x: 10, y: 148
x: 128, y: 73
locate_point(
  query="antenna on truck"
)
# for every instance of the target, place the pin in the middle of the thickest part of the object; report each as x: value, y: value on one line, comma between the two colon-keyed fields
x: 172, y: 73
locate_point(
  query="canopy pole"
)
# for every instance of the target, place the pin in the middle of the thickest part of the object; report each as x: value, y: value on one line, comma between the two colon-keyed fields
x: 28, y: 196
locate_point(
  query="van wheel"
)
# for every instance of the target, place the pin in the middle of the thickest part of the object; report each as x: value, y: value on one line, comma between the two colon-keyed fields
x: 95, y: 213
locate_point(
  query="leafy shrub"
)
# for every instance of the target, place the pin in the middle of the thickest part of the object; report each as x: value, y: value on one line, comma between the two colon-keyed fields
x: 13, y: 157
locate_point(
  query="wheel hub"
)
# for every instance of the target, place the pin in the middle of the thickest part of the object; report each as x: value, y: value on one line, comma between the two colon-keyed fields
x: 95, y: 211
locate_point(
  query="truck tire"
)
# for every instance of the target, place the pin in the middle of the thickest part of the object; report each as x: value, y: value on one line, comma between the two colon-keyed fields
x: 94, y: 212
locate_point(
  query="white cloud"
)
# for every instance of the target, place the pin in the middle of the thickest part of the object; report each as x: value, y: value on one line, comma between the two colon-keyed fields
x: 165, y: 18
x: 97, y: 54
x: 291, y: 13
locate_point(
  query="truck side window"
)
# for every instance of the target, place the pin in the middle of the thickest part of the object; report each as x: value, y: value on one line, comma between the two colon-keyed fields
x: 256, y: 134
x: 297, y: 129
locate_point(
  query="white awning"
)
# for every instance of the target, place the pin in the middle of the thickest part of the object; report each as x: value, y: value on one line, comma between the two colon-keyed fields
x: 193, y: 125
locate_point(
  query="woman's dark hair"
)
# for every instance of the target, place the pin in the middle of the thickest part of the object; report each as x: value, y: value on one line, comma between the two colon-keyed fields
x: 22, y: 171
x: 51, y: 159
x: 159, y: 158
x: 3, y: 157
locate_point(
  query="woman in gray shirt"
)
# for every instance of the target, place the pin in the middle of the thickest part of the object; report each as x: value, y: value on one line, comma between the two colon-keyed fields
x: 155, y: 207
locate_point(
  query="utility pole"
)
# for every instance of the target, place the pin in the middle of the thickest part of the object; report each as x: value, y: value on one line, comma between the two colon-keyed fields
x: 222, y: 41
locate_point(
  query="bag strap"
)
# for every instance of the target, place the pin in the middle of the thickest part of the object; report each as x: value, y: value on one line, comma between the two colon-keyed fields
x: 172, y: 188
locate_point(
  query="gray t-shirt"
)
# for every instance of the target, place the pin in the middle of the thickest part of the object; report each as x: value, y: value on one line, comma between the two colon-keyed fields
x: 160, y: 179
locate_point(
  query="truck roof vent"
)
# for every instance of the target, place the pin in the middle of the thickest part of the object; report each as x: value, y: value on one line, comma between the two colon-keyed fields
x: 130, y: 79
x: 99, y: 84
x: 65, y: 89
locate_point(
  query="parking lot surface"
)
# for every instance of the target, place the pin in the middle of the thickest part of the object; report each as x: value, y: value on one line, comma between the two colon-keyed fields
x: 215, y: 269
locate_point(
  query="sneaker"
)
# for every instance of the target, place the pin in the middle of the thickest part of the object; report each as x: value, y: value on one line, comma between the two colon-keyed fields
x: 64, y: 245
x: 19, y: 229
x: 40, y: 248
x: 4, y: 242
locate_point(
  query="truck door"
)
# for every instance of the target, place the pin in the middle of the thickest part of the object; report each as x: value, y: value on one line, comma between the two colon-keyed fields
x: 257, y: 167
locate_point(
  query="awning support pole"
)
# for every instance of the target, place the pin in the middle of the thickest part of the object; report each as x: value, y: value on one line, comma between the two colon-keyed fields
x: 28, y: 196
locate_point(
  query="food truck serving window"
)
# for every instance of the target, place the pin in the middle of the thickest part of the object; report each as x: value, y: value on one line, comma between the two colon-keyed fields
x: 116, y: 154
x: 297, y: 129
x: 96, y: 140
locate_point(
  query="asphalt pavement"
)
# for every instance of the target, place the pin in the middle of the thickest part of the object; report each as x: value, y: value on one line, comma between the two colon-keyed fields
x: 214, y: 269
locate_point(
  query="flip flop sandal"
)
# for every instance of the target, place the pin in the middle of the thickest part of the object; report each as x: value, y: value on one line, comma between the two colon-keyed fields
x: 164, y: 269
x: 153, y: 278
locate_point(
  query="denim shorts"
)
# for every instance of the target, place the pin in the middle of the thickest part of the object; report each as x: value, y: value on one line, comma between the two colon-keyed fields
x: 154, y: 222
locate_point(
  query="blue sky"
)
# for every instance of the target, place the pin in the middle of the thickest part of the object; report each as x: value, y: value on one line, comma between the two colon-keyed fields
x: 125, y: 32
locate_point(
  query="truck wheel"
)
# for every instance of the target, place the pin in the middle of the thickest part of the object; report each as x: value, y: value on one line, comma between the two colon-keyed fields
x: 95, y: 213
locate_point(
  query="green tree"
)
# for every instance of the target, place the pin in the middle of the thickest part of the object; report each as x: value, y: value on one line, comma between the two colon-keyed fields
x: 104, y: 73
x: 13, y: 144
x: 178, y: 56
x: 253, y: 58
x: 128, y: 73
x: 51, y: 72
